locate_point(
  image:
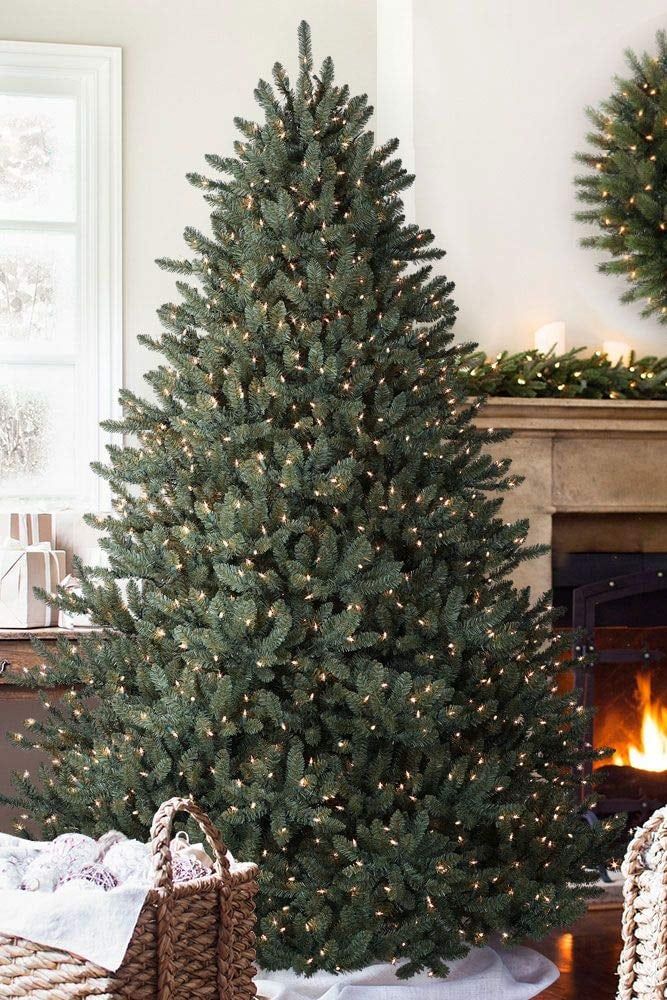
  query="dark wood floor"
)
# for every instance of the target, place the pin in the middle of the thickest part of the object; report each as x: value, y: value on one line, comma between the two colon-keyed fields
x: 586, y: 956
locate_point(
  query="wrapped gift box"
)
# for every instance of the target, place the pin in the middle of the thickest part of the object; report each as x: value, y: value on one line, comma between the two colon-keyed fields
x: 72, y: 619
x: 28, y: 529
x: 21, y: 570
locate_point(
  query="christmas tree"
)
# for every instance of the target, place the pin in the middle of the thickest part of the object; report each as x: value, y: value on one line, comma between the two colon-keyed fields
x: 320, y: 641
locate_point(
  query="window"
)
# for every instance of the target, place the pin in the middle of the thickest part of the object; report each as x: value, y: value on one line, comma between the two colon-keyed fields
x: 60, y: 270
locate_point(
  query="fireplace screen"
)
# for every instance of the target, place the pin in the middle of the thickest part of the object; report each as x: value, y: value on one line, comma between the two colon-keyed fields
x: 631, y: 700
x: 616, y: 606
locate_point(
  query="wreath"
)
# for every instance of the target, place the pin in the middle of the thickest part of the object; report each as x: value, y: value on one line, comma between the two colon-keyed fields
x: 625, y: 185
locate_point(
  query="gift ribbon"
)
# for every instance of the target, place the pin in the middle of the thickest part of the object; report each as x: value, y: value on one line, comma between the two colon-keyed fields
x: 47, y: 584
x: 12, y: 547
x: 34, y: 527
x: 17, y: 546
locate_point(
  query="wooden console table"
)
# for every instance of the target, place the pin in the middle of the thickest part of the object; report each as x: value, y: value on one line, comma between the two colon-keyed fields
x: 17, y: 702
x: 17, y: 655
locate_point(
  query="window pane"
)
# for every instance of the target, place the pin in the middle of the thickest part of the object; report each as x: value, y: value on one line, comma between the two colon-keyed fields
x: 37, y: 430
x: 37, y: 158
x: 37, y: 289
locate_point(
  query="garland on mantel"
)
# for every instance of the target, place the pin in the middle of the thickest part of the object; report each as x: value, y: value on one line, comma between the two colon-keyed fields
x: 567, y: 376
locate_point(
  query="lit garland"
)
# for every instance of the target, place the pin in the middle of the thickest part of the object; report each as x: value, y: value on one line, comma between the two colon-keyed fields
x: 565, y: 376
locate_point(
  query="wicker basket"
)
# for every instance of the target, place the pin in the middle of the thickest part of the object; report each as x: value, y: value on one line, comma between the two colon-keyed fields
x: 193, y: 940
x: 642, y: 967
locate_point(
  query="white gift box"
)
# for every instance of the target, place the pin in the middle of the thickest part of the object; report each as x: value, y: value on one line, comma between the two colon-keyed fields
x: 21, y: 570
x: 28, y: 529
x: 72, y: 619
x: 95, y: 557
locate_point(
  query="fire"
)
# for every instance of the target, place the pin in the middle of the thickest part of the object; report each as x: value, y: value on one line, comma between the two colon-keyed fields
x: 651, y: 754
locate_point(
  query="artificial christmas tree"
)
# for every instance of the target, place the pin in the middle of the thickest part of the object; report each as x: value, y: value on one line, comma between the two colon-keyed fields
x: 326, y: 651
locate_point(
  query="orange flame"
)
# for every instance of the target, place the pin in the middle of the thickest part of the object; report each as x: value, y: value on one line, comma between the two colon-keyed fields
x: 651, y: 754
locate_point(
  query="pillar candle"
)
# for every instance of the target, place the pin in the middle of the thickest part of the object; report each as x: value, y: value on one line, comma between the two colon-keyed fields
x: 551, y: 335
x: 616, y: 350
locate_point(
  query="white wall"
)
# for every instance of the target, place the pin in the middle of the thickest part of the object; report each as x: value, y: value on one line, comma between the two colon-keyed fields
x: 189, y: 66
x: 500, y: 88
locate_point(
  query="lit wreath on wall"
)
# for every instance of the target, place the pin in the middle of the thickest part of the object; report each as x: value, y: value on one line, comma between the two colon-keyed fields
x: 625, y: 186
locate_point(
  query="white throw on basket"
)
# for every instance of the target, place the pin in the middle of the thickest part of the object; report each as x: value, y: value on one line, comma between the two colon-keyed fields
x: 642, y: 966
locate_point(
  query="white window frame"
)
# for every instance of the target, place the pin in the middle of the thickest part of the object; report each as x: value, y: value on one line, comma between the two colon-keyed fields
x: 93, y: 74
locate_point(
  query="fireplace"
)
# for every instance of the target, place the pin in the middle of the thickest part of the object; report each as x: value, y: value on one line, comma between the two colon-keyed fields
x: 595, y: 491
x: 615, y: 605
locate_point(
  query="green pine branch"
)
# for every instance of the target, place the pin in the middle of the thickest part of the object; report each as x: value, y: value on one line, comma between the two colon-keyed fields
x: 533, y: 374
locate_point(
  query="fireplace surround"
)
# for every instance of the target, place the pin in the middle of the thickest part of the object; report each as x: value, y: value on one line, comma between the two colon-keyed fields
x: 606, y: 459
x: 595, y: 491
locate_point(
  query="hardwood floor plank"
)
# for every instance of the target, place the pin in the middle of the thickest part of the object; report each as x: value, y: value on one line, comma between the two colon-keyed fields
x: 587, y: 956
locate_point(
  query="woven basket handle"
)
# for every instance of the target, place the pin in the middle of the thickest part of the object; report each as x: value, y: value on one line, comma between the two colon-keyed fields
x: 161, y: 832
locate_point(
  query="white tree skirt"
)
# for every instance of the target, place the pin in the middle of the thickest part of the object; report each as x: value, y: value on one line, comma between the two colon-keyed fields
x: 484, y: 974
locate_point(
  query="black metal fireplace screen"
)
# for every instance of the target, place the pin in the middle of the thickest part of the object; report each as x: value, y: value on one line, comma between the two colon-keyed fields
x: 588, y: 606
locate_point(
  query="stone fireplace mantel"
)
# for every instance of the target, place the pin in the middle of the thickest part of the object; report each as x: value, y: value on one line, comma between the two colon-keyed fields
x: 579, y: 456
x: 576, y: 417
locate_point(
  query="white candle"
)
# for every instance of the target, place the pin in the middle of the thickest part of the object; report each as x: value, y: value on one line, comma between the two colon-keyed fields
x: 550, y: 336
x: 616, y: 350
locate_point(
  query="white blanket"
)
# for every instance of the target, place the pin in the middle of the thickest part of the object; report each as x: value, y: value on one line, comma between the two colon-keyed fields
x: 84, y: 920
x: 91, y: 923
x: 78, y: 917
x: 484, y: 974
